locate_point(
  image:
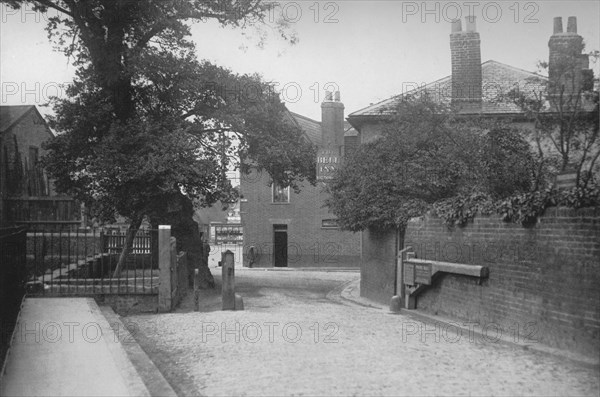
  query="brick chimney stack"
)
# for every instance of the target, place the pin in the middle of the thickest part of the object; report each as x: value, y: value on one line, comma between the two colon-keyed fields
x: 332, y: 121
x: 466, y: 64
x: 568, y: 68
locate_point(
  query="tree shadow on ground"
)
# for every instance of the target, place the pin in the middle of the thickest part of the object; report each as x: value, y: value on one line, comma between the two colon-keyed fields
x: 210, y: 300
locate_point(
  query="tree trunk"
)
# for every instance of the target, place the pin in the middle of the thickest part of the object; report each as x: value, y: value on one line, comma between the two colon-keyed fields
x: 131, y: 232
x: 178, y: 211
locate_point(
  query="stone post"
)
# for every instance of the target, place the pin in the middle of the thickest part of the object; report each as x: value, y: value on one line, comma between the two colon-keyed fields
x: 196, y: 290
x: 228, y: 280
x: 164, y: 266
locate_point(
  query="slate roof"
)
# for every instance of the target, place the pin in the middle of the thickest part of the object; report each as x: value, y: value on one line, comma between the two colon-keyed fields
x: 497, y: 79
x: 10, y: 115
x: 349, y: 130
x: 311, y: 128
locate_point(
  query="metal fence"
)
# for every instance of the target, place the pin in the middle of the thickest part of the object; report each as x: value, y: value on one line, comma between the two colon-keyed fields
x: 83, y: 262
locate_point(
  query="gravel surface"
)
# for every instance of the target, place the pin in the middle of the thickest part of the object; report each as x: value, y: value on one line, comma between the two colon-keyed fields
x: 296, y: 337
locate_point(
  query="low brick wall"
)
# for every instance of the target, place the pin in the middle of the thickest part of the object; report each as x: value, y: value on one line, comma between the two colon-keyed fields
x: 127, y: 304
x: 544, y: 280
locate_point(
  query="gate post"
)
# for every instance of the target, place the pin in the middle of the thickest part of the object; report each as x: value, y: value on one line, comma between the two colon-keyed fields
x: 398, y: 301
x: 164, y: 266
x: 231, y: 300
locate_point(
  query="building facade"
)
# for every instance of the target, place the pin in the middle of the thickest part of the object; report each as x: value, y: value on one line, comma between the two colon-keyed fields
x: 27, y: 196
x: 287, y: 229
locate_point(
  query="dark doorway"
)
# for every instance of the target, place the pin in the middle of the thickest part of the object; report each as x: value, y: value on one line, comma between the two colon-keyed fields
x: 280, y: 243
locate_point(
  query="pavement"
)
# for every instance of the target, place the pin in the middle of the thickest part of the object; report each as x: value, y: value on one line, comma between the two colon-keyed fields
x: 67, y: 347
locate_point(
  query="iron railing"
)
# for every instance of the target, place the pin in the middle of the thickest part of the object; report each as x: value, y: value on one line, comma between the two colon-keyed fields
x: 83, y: 262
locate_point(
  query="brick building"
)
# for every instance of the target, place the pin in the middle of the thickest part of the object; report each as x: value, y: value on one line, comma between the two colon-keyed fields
x: 284, y: 228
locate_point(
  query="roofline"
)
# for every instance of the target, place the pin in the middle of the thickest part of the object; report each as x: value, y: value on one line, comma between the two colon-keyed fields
x: 9, y: 127
x: 293, y: 117
x: 31, y: 107
x: 358, y: 121
x: 304, y: 117
x: 432, y: 83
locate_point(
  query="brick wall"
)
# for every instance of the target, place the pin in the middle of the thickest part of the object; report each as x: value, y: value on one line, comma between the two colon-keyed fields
x: 309, y: 244
x: 543, y: 279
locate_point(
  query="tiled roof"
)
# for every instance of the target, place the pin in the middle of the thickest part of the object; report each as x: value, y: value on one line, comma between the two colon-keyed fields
x: 311, y: 127
x: 497, y: 79
x: 9, y: 115
x: 349, y: 130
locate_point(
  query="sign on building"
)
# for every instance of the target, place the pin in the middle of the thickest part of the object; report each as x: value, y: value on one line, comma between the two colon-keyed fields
x: 328, y: 160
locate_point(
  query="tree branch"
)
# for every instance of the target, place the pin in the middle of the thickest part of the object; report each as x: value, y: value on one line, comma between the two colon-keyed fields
x: 55, y: 6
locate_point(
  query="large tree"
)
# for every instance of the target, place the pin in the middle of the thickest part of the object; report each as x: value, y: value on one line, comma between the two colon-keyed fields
x: 148, y: 130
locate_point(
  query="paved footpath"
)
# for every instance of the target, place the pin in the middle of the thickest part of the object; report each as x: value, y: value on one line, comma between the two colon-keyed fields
x: 299, y: 336
x: 66, y: 347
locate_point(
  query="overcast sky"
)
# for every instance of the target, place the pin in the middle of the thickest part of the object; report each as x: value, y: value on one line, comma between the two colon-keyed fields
x: 371, y: 50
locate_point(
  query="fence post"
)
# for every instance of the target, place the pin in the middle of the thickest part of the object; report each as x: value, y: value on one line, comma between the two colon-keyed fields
x: 164, y: 266
x: 196, y: 291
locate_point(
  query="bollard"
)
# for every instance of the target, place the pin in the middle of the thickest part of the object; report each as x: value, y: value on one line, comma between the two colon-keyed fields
x: 196, y: 291
x: 239, y: 302
x: 396, y: 304
x: 228, y: 281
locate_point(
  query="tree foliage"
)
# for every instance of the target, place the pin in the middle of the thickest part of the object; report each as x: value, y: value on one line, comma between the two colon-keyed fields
x: 426, y: 155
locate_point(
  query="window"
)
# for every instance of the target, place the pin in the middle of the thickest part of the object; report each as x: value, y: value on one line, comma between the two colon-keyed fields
x: 329, y: 223
x: 34, y: 155
x: 280, y: 194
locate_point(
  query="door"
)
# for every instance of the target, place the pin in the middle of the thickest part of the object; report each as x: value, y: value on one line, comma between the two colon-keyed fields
x: 280, y: 244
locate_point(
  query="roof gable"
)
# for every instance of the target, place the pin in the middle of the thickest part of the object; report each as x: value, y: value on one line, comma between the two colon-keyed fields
x: 497, y: 79
x: 10, y: 115
x: 311, y: 128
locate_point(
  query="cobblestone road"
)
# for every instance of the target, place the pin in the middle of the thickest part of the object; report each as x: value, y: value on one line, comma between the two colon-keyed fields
x: 296, y: 339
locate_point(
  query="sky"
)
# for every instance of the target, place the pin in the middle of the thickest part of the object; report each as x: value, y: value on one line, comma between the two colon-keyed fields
x: 368, y: 50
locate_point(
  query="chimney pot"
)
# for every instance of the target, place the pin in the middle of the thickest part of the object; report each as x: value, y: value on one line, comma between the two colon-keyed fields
x: 328, y: 95
x: 572, y: 25
x: 456, y: 26
x: 558, y: 25
x: 471, y: 23
x: 336, y: 96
